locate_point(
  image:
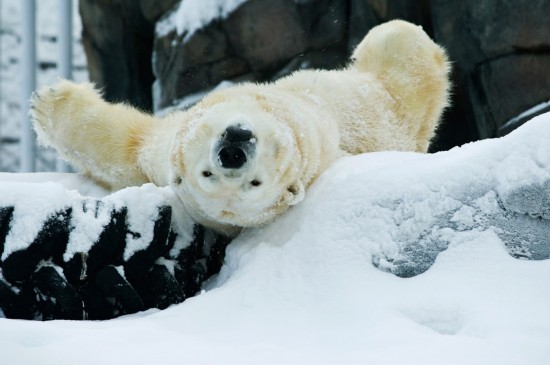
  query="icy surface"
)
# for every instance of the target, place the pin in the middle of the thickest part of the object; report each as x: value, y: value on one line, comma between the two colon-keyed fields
x: 192, y: 15
x: 321, y: 286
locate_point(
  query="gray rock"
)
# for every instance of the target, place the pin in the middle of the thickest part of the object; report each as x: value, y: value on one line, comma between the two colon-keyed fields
x: 503, y: 88
x: 261, y: 40
x: 153, y: 9
x: 362, y: 17
x: 118, y: 43
x: 477, y: 31
x: 266, y: 33
x: 365, y: 14
x: 325, y: 22
x: 524, y: 117
x: 500, y: 55
x: 183, y: 67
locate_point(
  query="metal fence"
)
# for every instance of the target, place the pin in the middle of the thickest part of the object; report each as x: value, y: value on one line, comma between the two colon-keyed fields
x: 29, y: 26
x: 28, y: 59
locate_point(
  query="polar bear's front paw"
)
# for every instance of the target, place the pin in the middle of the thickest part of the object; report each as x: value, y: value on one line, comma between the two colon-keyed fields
x: 58, y: 108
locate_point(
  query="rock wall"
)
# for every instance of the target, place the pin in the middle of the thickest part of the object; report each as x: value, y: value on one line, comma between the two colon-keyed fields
x: 118, y: 39
x: 500, y: 51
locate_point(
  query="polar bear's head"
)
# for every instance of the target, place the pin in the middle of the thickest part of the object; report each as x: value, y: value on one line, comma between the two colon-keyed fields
x: 236, y: 164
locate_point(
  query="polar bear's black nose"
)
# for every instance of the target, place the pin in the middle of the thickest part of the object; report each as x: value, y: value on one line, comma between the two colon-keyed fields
x: 237, y: 133
x: 236, y: 145
x: 232, y: 157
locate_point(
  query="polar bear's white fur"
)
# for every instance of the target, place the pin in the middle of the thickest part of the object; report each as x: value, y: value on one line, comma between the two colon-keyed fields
x: 390, y: 97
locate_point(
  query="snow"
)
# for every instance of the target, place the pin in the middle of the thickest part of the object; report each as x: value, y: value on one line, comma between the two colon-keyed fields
x: 68, y: 180
x: 35, y: 199
x: 83, y: 236
x: 192, y: 15
x: 317, y: 285
x: 142, y: 203
x: 34, y: 208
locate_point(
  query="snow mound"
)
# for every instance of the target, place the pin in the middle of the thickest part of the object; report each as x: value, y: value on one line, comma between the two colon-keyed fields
x: 391, y: 258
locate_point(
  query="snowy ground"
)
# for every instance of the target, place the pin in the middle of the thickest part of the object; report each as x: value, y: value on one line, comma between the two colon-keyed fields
x: 325, y: 284
x: 10, y: 72
x: 318, y: 285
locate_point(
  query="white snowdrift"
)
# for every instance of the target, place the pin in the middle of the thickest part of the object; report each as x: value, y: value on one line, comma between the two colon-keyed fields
x: 317, y: 286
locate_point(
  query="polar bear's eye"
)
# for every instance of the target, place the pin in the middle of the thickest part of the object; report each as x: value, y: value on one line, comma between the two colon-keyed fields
x: 206, y: 173
x: 178, y: 180
x: 255, y: 182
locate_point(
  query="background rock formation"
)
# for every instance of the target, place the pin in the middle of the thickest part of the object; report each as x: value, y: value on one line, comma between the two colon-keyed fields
x: 500, y: 51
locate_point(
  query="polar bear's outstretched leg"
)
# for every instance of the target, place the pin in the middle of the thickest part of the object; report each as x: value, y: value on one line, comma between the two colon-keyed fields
x: 101, y: 138
x: 413, y: 69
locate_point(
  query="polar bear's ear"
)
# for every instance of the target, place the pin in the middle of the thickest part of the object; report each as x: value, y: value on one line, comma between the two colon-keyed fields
x: 296, y: 193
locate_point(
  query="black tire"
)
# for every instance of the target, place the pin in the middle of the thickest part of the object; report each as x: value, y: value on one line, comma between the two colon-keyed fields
x: 40, y: 283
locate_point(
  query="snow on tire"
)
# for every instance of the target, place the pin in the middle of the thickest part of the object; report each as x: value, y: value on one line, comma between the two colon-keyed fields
x: 86, y: 258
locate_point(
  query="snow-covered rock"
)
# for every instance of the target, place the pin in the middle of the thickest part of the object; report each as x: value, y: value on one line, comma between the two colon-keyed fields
x: 192, y: 15
x: 200, y: 44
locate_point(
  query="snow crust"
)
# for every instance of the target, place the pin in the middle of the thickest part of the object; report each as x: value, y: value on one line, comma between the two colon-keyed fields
x: 192, y: 15
x: 317, y: 286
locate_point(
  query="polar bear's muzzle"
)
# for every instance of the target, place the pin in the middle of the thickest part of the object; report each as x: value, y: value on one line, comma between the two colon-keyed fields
x: 235, y: 147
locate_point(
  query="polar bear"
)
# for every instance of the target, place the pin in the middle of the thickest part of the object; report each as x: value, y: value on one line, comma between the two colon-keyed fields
x: 244, y: 155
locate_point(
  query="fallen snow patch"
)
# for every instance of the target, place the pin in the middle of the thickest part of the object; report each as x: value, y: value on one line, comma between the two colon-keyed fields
x: 192, y: 15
